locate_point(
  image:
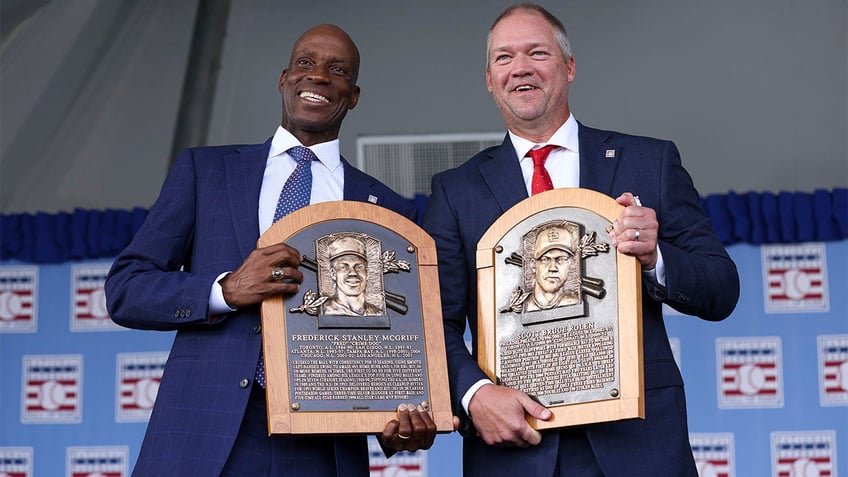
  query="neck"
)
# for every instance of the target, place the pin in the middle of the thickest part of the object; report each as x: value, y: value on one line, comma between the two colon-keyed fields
x: 539, y: 130
x: 356, y: 303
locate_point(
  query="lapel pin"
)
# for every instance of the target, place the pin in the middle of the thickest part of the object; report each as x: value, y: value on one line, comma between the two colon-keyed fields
x: 610, y: 154
x: 372, y: 199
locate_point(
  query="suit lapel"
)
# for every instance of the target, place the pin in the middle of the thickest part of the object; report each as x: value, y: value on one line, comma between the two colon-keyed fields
x: 598, y: 159
x: 358, y: 185
x: 245, y: 169
x: 502, y: 174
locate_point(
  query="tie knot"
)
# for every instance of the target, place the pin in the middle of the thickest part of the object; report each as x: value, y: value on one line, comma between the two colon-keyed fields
x: 540, y: 155
x: 302, y: 154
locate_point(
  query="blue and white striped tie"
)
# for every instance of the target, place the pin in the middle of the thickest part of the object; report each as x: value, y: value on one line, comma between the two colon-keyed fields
x: 295, y: 194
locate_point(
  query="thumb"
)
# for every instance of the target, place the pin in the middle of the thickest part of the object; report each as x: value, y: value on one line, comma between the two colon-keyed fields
x: 625, y: 199
x: 534, y: 408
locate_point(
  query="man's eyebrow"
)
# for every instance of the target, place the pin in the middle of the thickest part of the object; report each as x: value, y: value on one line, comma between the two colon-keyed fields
x: 529, y: 46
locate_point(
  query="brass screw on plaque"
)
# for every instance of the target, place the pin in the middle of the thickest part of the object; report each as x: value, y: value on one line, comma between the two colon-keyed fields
x: 295, y: 406
x: 410, y: 249
x: 425, y: 404
x: 499, y: 249
x: 614, y: 393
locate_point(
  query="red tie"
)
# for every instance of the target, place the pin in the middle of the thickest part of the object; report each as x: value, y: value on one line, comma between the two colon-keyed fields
x: 541, y: 178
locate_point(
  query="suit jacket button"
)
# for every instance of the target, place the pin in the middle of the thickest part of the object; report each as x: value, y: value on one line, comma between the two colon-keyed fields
x: 257, y: 329
x: 244, y: 383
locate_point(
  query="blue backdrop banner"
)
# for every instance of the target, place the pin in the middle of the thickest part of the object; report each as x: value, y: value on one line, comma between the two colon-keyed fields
x: 767, y: 389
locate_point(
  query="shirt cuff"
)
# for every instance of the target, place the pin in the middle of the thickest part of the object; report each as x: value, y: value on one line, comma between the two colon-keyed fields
x: 217, y: 304
x: 466, y: 398
x: 657, y: 275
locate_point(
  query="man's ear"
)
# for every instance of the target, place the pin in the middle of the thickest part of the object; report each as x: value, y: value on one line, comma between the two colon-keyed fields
x: 354, y: 97
x: 282, y: 79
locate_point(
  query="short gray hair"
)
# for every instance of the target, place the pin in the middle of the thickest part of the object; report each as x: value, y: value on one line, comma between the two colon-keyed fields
x: 560, y: 35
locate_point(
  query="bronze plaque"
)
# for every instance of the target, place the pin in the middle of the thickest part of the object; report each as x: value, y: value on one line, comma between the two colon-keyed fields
x: 364, y: 333
x: 560, y: 315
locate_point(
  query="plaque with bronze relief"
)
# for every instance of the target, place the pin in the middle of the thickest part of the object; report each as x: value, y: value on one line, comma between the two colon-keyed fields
x: 560, y: 314
x: 364, y: 332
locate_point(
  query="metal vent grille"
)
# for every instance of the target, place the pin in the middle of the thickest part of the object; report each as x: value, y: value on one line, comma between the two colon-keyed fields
x: 407, y: 163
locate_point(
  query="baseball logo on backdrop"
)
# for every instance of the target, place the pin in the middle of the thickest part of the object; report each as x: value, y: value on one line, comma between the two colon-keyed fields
x: 833, y: 370
x: 803, y: 453
x: 16, y: 461
x: 749, y: 372
x: 714, y: 454
x: 52, y: 389
x: 107, y: 461
x: 138, y: 380
x: 88, y: 300
x: 795, y: 278
x: 402, y: 464
x: 18, y: 297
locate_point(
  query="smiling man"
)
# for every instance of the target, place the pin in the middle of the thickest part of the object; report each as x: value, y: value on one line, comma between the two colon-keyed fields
x: 529, y: 71
x: 193, y: 267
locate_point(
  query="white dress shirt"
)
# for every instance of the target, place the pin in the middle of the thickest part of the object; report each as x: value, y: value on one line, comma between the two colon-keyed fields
x: 327, y: 185
x: 563, y: 164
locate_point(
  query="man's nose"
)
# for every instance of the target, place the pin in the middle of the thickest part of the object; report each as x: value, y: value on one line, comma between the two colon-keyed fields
x: 522, y: 65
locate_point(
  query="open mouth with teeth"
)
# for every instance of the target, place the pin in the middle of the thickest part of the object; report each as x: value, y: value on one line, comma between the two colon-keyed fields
x: 313, y: 97
x: 524, y: 87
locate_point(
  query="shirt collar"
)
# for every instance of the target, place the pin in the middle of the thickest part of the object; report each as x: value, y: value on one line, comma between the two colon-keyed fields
x: 327, y: 152
x: 566, y: 137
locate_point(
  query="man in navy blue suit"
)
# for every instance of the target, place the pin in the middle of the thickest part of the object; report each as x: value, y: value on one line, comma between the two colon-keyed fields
x: 529, y: 71
x: 194, y: 267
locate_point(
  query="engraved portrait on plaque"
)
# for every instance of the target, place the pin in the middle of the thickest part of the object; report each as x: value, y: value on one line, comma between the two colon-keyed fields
x: 350, y: 267
x: 559, y: 308
x: 551, y: 258
x: 356, y: 288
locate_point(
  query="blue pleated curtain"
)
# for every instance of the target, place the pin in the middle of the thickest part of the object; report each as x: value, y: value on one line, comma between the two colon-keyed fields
x: 753, y: 217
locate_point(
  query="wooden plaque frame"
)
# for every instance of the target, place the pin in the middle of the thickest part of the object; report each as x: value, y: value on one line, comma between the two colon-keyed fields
x: 626, y: 399
x: 424, y: 315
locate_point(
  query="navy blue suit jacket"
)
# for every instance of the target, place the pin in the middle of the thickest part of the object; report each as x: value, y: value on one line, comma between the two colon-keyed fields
x: 205, y: 223
x: 701, y: 280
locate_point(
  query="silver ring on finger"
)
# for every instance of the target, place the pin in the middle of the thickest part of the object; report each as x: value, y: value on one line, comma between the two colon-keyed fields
x: 278, y: 273
x: 403, y: 437
x: 637, y: 235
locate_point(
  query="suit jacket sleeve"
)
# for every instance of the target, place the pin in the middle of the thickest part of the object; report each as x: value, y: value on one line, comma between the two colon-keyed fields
x: 455, y: 281
x: 701, y: 279
x: 138, y: 294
